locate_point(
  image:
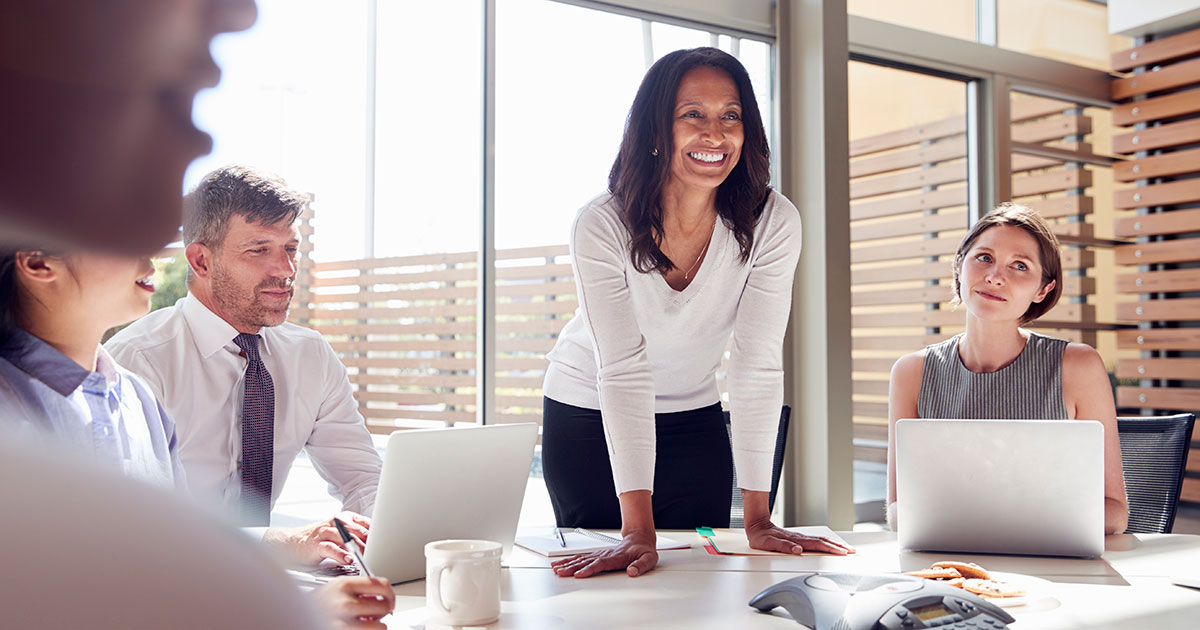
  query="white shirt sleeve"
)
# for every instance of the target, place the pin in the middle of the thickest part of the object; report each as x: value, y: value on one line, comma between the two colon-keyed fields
x: 624, y: 379
x: 755, y: 379
x: 340, y: 446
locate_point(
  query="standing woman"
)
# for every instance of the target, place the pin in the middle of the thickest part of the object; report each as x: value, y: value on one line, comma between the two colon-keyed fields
x: 1008, y: 273
x: 689, y: 246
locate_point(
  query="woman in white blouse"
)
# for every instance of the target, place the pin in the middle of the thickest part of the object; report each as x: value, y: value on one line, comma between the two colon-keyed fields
x: 689, y: 246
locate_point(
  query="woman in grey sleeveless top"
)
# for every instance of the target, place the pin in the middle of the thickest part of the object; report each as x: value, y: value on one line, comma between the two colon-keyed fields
x: 1008, y: 273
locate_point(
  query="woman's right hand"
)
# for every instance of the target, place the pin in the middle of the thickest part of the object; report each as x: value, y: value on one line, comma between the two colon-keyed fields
x: 636, y: 554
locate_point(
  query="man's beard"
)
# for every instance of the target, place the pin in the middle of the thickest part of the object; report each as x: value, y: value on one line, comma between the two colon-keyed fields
x: 247, y: 305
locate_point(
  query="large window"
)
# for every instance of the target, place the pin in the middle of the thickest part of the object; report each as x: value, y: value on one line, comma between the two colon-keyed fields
x: 378, y: 112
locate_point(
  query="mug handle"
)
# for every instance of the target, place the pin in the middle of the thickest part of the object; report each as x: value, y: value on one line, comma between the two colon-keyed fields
x: 436, y: 583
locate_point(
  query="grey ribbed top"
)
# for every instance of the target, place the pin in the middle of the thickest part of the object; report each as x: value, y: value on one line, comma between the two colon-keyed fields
x: 1028, y: 388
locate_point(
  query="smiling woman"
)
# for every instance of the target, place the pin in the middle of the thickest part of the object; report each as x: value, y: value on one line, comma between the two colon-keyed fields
x: 689, y: 247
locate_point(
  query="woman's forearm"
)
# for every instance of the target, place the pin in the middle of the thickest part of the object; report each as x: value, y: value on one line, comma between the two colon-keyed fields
x: 637, y: 513
x: 757, y: 507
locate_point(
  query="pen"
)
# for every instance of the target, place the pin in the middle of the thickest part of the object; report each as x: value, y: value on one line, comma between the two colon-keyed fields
x: 562, y: 542
x: 353, y: 545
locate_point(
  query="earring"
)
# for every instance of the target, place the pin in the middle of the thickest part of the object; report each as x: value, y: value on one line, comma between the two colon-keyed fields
x: 654, y: 151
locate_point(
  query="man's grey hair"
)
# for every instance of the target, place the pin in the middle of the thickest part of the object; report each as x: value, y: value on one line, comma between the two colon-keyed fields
x: 257, y: 197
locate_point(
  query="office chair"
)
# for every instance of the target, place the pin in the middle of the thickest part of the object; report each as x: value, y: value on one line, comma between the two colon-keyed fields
x: 736, y: 510
x: 1154, y: 454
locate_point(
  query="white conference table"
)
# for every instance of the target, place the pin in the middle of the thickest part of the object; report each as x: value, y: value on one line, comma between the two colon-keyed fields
x: 1128, y: 587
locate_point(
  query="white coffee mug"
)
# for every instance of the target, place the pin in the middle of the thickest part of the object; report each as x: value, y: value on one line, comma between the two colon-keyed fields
x: 462, y: 582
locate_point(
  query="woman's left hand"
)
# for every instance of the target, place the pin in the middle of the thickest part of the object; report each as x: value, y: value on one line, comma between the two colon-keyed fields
x: 767, y: 537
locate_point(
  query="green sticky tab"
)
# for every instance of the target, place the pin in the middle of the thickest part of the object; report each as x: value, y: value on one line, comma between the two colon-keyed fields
x: 705, y: 531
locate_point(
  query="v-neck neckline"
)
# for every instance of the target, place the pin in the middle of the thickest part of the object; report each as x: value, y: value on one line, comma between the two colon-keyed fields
x: 713, y: 255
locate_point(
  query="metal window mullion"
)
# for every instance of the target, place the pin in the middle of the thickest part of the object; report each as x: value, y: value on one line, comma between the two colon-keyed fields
x: 485, y: 324
x: 986, y: 22
x: 989, y: 145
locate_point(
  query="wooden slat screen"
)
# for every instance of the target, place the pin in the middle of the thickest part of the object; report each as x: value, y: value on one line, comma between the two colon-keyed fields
x: 909, y: 212
x: 1160, y: 103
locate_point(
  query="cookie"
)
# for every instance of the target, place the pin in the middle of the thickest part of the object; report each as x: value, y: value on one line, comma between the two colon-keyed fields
x: 935, y: 574
x: 991, y: 588
x: 956, y: 582
x: 968, y: 570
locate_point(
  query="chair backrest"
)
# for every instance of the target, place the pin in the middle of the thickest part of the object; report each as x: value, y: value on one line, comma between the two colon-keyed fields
x: 737, y: 511
x: 1154, y: 454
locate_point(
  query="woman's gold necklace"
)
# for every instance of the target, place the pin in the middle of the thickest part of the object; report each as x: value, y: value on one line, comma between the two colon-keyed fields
x: 687, y: 274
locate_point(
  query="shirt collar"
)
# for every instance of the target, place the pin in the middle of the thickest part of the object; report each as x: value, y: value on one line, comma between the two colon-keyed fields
x: 45, y: 363
x: 210, y: 331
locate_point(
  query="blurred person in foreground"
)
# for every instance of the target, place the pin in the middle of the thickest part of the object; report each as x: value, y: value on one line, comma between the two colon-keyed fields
x: 96, y: 121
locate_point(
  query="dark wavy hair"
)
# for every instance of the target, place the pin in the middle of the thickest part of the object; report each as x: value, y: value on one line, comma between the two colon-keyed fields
x: 637, y: 177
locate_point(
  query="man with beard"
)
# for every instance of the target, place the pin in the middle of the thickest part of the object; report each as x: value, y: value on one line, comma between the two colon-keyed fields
x: 247, y: 389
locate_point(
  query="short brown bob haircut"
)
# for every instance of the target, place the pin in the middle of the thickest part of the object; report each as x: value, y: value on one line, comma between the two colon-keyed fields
x: 1027, y: 219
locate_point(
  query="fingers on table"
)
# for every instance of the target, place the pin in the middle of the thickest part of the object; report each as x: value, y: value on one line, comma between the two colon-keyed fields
x: 814, y: 543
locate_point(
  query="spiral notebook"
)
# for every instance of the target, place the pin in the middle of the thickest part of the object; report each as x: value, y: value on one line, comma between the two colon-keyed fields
x: 579, y: 540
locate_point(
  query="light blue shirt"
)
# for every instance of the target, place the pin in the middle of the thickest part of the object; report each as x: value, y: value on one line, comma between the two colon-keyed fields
x: 109, y: 414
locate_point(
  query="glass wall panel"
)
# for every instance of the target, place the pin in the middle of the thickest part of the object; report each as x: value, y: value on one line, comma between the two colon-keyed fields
x: 1074, y: 31
x: 908, y: 210
x: 955, y: 18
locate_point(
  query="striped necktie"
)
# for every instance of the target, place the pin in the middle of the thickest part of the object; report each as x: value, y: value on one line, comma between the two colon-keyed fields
x: 258, y: 435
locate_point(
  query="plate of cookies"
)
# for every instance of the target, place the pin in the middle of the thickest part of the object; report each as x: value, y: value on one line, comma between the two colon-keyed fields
x: 1003, y: 589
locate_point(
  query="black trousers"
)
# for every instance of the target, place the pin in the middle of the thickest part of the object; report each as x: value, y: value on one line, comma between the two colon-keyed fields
x: 693, y: 468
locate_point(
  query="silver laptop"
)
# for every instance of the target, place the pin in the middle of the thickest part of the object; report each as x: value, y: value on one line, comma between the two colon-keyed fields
x: 1001, y: 486
x: 436, y: 484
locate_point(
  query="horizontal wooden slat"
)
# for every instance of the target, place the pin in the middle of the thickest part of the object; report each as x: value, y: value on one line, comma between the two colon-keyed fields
x: 941, y: 198
x: 1053, y: 181
x: 1171, y: 222
x: 943, y: 221
x: 1055, y: 128
x: 893, y: 342
x: 872, y: 364
x: 1176, y: 75
x: 1175, y: 163
x: 398, y: 413
x: 930, y: 294
x: 873, y: 432
x: 940, y: 151
x: 1159, y: 339
x: 357, y: 315
x: 870, y: 387
x: 1183, y: 369
x: 525, y: 344
x: 870, y: 454
x: 433, y: 345
x: 519, y: 382
x: 419, y: 328
x: 1157, y: 108
x: 905, y: 249
x: 411, y: 363
x: 1182, y: 250
x: 1021, y: 163
x: 947, y: 173
x: 560, y: 270
x: 540, y: 251
x: 1026, y: 106
x: 1172, y: 135
x: 415, y: 398
x: 1060, y: 206
x: 1157, y: 51
x: 1185, y: 191
x: 1169, y: 281
x: 1175, y: 398
x: 548, y: 289
x: 1191, y: 486
x: 909, y: 135
x: 449, y: 259
x: 896, y: 273
x: 870, y: 409
x: 537, y: 308
x: 1182, y: 309
x: 415, y: 380
x: 908, y: 318
x: 460, y: 274
x: 441, y: 293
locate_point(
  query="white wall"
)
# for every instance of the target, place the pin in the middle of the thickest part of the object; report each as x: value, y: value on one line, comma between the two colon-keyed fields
x: 752, y: 16
x: 1136, y: 18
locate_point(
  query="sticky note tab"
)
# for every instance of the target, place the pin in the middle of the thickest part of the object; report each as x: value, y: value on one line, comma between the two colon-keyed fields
x: 705, y: 531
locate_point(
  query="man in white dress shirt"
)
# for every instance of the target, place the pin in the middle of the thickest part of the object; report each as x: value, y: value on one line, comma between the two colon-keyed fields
x: 247, y: 390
